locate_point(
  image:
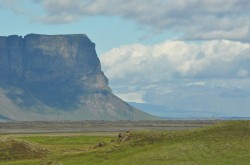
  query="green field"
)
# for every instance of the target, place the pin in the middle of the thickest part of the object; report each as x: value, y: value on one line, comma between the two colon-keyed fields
x: 225, y: 143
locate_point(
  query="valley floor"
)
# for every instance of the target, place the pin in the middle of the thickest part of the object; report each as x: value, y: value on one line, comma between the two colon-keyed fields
x: 99, y: 126
x: 222, y: 143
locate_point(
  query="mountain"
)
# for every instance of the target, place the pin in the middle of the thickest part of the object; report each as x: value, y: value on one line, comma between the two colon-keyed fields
x: 56, y: 77
x: 166, y: 112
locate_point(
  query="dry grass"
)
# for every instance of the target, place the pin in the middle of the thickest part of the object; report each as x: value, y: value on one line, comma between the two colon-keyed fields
x: 13, y: 149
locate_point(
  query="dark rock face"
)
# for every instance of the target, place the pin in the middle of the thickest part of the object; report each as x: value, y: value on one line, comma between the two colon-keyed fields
x: 55, y: 69
x: 56, y: 73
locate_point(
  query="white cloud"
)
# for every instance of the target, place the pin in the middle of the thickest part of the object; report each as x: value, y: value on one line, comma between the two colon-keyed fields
x: 195, y: 19
x: 242, y: 73
x: 16, y: 6
x: 211, y: 76
x: 57, y: 19
x: 136, y: 96
x: 224, y: 19
x: 176, y: 59
x: 199, y: 83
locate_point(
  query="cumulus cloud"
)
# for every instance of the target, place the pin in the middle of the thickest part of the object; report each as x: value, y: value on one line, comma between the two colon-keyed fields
x: 169, y: 60
x: 210, y: 76
x: 196, y: 19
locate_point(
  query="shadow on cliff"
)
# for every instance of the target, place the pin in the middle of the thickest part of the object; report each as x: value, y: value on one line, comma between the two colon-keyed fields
x: 56, y: 96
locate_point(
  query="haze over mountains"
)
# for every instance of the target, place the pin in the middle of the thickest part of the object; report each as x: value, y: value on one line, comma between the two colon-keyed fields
x: 56, y: 77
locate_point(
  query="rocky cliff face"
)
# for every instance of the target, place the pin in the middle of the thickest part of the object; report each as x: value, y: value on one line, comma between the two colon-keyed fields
x: 56, y: 77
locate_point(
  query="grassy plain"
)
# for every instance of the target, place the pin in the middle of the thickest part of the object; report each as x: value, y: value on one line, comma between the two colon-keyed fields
x: 224, y: 143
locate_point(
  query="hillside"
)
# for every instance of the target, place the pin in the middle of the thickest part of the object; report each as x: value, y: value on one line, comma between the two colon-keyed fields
x: 56, y: 77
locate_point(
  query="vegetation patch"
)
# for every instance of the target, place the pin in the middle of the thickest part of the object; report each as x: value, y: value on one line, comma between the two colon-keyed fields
x: 225, y: 143
x: 13, y: 149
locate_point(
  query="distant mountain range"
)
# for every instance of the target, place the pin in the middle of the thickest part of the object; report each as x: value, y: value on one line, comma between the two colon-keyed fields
x: 56, y: 77
x: 165, y: 112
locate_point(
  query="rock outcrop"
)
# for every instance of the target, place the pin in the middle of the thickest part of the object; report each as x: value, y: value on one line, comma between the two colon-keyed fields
x: 56, y: 77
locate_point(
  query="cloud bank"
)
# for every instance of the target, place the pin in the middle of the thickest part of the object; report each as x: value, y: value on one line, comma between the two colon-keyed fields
x: 211, y: 76
x: 206, y: 19
x: 193, y: 19
x: 137, y: 63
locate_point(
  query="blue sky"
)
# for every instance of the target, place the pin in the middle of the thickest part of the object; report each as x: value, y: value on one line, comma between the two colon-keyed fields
x: 190, y: 55
x: 19, y: 17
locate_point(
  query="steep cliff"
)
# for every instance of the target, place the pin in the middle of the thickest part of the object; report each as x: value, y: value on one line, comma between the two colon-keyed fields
x: 56, y: 77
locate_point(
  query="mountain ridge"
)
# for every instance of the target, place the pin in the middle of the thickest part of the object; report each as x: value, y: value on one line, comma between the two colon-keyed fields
x: 56, y: 77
